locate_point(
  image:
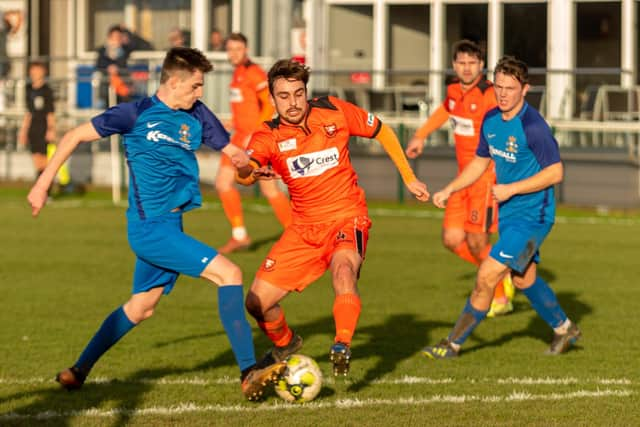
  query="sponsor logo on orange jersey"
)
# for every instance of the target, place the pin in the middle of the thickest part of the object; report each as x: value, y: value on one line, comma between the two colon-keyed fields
x: 287, y: 145
x: 313, y: 164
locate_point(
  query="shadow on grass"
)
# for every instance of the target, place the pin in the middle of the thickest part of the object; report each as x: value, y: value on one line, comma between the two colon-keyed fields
x: 391, y: 342
x: 53, y: 406
x: 538, y: 328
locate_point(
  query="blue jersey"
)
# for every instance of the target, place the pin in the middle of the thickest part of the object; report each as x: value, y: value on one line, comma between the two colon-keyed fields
x: 160, y: 146
x: 520, y: 148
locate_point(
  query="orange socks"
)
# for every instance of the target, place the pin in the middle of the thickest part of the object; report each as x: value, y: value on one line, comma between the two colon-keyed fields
x: 232, y: 207
x: 346, y: 311
x: 281, y: 208
x: 278, y: 331
x: 498, y: 293
x: 462, y: 250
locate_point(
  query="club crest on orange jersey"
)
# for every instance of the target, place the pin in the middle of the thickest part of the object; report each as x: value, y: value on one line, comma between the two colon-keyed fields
x: 269, y: 264
x: 452, y: 104
x: 473, y: 107
x: 331, y: 130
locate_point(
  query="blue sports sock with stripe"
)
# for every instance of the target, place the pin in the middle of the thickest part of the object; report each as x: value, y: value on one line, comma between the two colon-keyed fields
x: 466, y: 323
x: 114, y: 327
x: 544, y: 301
x: 231, y: 310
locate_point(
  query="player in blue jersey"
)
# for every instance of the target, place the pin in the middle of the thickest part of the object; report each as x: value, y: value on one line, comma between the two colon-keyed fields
x: 161, y: 134
x: 527, y: 162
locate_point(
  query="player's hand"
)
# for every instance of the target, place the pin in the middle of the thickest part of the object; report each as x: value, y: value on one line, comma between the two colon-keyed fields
x: 502, y: 192
x: 37, y: 199
x: 239, y: 159
x: 265, y: 173
x: 441, y: 197
x: 228, y: 125
x: 419, y: 190
x: 414, y: 148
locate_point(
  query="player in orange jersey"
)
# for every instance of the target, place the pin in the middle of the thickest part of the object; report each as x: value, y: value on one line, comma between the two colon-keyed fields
x: 250, y: 106
x: 307, y: 145
x: 471, y: 215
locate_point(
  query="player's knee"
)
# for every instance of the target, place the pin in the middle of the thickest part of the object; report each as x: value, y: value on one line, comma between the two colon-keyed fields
x: 485, y: 283
x: 232, y: 275
x: 476, y: 247
x: 137, y: 314
x: 451, y: 242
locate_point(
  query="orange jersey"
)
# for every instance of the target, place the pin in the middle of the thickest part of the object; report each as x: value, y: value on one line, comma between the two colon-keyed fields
x: 313, y: 159
x: 466, y: 111
x: 247, y: 81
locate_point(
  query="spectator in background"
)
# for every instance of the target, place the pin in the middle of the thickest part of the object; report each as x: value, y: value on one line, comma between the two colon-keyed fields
x: 216, y: 41
x: 177, y: 38
x: 132, y: 41
x: 38, y: 128
x: 112, y: 64
x: 39, y: 124
x: 10, y: 23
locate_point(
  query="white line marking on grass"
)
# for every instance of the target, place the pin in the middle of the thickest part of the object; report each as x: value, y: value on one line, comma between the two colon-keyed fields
x: 189, y: 407
x: 404, y: 380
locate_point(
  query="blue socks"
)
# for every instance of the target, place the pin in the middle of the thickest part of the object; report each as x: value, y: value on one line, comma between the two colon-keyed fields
x: 466, y: 323
x: 231, y: 310
x: 545, y: 302
x: 114, y: 327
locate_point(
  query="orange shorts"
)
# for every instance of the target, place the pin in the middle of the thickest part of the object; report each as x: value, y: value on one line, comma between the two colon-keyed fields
x: 304, y: 251
x: 239, y: 139
x: 473, y: 209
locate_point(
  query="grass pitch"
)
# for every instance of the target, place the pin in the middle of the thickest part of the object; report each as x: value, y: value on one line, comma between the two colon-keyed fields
x: 61, y: 274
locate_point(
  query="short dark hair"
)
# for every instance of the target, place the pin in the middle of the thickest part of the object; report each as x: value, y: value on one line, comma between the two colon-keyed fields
x: 512, y: 66
x: 184, y: 59
x: 290, y: 70
x: 38, y: 63
x: 238, y: 37
x: 114, y: 28
x: 469, y: 47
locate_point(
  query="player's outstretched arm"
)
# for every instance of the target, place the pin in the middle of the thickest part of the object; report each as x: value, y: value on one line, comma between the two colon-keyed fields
x: 551, y: 175
x: 392, y: 146
x: 434, y: 122
x: 239, y: 157
x: 468, y: 176
x: 38, y: 195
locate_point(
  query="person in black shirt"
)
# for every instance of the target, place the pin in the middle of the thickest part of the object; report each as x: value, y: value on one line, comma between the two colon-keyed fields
x: 39, y: 125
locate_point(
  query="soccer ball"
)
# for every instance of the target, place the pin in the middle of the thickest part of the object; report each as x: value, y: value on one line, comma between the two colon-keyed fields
x: 301, y: 381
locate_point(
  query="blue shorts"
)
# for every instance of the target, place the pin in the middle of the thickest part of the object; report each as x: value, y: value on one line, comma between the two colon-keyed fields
x: 163, y: 252
x: 518, y: 244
